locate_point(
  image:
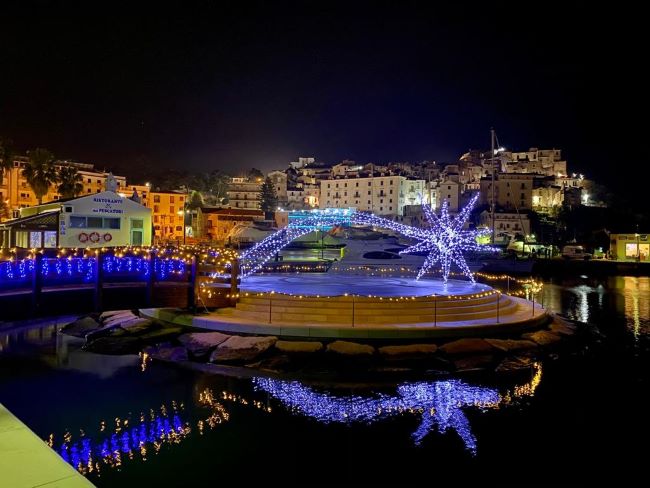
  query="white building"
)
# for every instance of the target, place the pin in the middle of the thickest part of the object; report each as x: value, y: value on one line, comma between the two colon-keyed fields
x: 506, y: 225
x: 102, y: 219
x: 511, y: 190
x: 546, y: 162
x: 382, y: 195
x: 244, y: 193
x: 449, y: 191
x: 279, y: 181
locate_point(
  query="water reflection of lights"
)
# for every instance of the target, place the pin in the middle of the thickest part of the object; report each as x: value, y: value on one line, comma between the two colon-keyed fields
x: 439, y: 403
x: 636, y: 293
x: 582, y: 308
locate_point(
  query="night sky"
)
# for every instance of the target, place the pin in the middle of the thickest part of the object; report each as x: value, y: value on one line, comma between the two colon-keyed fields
x: 207, y: 86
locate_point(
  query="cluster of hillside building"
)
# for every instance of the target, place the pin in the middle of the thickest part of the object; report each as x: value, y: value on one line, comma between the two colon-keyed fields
x: 534, y: 180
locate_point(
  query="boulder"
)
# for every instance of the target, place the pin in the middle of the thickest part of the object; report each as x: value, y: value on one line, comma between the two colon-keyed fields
x: 517, y: 364
x: 111, y: 313
x: 118, y: 319
x: 237, y: 348
x: 542, y: 337
x: 466, y: 347
x: 511, y: 345
x: 108, y: 330
x: 202, y: 343
x: 114, y: 345
x: 159, y: 335
x: 81, y: 327
x: 297, y: 347
x: 473, y: 362
x: 167, y: 352
x: 345, y: 348
x: 410, y: 351
x: 137, y: 326
x: 562, y: 328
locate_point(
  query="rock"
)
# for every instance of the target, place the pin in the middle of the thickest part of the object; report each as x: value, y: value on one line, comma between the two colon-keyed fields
x: 200, y: 344
x: 297, y: 347
x: 562, y: 328
x: 511, y: 345
x: 345, y: 348
x: 411, y: 351
x: 108, y: 330
x: 118, y: 319
x: 114, y: 345
x: 275, y: 364
x: 162, y: 334
x: 111, y: 313
x: 238, y: 348
x: 466, y: 347
x: 137, y: 325
x: 167, y: 352
x: 474, y: 362
x: 81, y: 327
x: 542, y: 337
x: 517, y: 364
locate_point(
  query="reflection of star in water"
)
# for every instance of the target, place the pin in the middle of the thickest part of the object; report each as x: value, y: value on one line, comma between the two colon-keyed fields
x: 446, y: 240
x: 439, y: 403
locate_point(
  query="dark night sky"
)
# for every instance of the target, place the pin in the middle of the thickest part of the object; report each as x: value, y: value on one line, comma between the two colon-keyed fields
x: 202, y: 86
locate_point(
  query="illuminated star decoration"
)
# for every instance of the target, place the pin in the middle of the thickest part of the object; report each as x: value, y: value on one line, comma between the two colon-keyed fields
x: 446, y: 240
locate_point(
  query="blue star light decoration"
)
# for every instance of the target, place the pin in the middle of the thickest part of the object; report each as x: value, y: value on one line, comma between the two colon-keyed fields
x: 446, y: 240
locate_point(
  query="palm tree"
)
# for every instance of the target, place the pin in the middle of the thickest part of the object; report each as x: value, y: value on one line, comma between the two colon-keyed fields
x: 40, y: 173
x: 6, y: 157
x: 69, y: 182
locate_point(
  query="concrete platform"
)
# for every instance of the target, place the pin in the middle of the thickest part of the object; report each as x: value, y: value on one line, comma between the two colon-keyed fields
x: 26, y: 461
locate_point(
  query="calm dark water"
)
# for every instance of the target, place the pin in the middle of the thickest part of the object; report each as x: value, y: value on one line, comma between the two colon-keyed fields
x: 125, y: 422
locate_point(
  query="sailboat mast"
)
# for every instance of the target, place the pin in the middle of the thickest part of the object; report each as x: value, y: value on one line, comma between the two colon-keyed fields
x: 492, y: 198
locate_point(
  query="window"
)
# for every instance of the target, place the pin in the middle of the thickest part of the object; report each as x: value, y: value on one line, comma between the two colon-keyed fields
x: 357, y: 184
x: 178, y: 228
x: 155, y: 219
x: 94, y: 222
x: 522, y: 196
x: 156, y: 209
x: 78, y: 222
x: 68, y: 209
x: 89, y: 180
x: 381, y: 209
x: 346, y: 185
x: 390, y: 201
x: 337, y: 185
x: 89, y: 190
x: 448, y: 187
x: 391, y: 182
x: 171, y: 199
x: 99, y: 181
x: 345, y: 193
x: 368, y: 202
x: 369, y: 192
x: 391, y: 191
x: 368, y: 183
x: 171, y: 210
x: 111, y: 223
x: 523, y: 186
x: 180, y: 199
x: 381, y: 200
x: 381, y: 182
x: 156, y: 198
x: 390, y: 208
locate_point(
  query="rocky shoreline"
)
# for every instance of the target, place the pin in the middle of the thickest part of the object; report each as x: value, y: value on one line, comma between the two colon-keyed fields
x: 125, y: 332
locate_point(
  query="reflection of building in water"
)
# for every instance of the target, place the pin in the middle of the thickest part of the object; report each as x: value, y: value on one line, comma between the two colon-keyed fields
x: 439, y: 403
x: 636, y: 297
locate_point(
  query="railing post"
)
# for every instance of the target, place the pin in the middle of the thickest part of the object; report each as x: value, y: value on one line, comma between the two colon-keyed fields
x: 508, y: 289
x: 151, y: 278
x: 191, y: 289
x: 98, y: 280
x: 37, y: 283
x: 498, y: 301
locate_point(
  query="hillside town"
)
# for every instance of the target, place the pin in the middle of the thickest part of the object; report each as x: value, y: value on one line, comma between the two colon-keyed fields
x: 523, y: 195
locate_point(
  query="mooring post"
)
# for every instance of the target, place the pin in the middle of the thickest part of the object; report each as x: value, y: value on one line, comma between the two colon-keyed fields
x: 191, y: 289
x: 98, y: 280
x: 150, y: 278
x: 37, y: 283
x: 234, y: 277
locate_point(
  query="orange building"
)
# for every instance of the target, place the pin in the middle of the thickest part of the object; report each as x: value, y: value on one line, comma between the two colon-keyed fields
x: 168, y: 209
x: 216, y: 223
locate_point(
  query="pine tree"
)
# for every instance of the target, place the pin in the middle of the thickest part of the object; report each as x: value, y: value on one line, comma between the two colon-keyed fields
x: 268, y: 198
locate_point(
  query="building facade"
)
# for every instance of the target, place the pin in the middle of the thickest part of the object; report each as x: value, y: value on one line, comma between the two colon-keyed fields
x: 244, y: 193
x: 382, y: 195
x: 217, y: 223
x: 168, y: 213
x: 511, y: 191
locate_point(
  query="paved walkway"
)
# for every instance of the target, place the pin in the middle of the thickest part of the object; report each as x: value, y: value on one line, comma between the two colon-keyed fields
x: 27, y: 462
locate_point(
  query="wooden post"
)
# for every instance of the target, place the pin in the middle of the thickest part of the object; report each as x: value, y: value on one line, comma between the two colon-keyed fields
x: 37, y: 283
x: 98, y: 270
x: 151, y: 278
x: 191, y: 289
x: 234, y: 277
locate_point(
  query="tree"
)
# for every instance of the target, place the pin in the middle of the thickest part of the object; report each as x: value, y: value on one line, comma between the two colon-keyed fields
x: 70, y: 182
x: 40, y: 173
x: 255, y: 173
x: 4, y: 210
x: 195, y: 201
x: 6, y: 156
x: 268, y: 198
